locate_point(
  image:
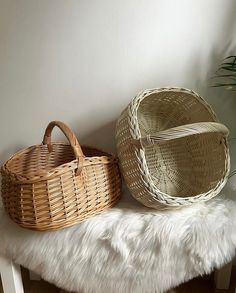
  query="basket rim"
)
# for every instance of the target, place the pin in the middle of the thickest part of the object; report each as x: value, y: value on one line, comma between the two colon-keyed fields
x: 59, y: 170
x: 160, y: 196
x: 134, y: 104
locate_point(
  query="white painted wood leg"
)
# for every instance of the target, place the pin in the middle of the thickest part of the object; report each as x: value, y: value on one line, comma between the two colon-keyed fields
x: 11, y: 276
x: 222, y: 277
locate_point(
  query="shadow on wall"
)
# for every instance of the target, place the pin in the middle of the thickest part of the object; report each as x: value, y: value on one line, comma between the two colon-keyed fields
x: 222, y: 101
x: 104, y: 136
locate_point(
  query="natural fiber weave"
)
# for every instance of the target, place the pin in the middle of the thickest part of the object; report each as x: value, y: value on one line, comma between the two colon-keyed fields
x: 172, y: 151
x: 51, y: 186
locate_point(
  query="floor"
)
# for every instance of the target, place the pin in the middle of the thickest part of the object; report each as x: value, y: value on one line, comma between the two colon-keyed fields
x: 200, y: 285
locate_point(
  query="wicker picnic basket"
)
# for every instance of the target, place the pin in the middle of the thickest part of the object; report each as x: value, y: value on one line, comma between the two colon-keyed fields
x: 171, y: 149
x: 55, y: 185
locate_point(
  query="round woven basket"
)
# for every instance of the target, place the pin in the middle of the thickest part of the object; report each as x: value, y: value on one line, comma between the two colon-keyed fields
x: 51, y: 186
x: 172, y: 151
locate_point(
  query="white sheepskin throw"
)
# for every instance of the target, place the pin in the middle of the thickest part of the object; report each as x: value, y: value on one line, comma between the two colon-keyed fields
x: 128, y: 249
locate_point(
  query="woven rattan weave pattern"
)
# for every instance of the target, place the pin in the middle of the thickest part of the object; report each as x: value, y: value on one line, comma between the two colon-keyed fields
x: 172, y: 151
x: 51, y: 186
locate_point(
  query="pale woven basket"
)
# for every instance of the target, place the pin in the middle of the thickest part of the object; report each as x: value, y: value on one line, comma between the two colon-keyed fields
x: 171, y: 148
x: 55, y: 185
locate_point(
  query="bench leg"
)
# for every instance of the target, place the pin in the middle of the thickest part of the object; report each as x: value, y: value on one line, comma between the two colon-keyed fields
x: 222, y: 277
x: 11, y: 276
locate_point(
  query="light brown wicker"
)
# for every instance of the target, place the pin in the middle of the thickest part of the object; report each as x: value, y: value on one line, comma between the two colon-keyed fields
x: 51, y: 186
x: 171, y: 149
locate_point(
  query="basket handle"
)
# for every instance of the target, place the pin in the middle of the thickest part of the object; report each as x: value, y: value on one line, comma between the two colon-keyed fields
x: 71, y: 138
x: 181, y: 131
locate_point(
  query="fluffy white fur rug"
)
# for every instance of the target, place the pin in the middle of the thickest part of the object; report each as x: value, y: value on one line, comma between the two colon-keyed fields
x: 128, y: 249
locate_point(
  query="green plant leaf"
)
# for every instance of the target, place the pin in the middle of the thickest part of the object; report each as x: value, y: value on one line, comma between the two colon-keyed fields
x: 225, y: 76
x: 228, y: 63
x: 225, y: 84
x: 228, y: 68
x: 233, y: 75
x: 229, y: 57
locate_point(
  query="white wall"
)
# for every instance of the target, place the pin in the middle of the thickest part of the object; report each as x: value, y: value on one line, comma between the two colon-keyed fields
x: 82, y: 61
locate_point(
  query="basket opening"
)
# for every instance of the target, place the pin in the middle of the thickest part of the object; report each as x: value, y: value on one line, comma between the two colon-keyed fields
x: 37, y: 160
x: 183, y: 167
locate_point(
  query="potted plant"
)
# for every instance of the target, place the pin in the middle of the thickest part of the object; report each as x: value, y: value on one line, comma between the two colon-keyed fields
x: 226, y: 78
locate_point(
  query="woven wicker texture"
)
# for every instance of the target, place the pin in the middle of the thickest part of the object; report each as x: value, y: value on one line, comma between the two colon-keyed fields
x: 172, y: 151
x: 51, y: 186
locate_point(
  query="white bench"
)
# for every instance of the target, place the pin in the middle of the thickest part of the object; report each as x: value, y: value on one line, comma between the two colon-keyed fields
x: 119, y: 235
x: 12, y: 280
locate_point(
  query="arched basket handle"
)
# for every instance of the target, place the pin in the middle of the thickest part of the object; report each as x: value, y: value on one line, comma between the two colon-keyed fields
x: 181, y: 131
x: 71, y: 138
